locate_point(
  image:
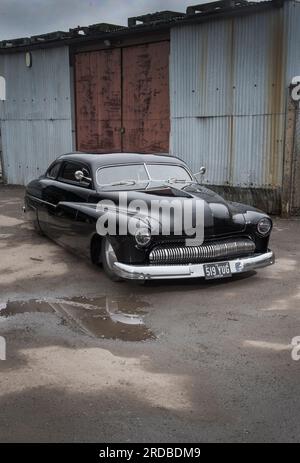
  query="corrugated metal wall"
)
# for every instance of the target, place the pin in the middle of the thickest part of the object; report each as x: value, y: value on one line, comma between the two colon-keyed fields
x: 227, y: 99
x: 292, y: 20
x: 36, y: 116
x: 292, y: 10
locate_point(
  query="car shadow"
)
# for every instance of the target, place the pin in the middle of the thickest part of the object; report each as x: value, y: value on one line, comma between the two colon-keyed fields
x: 190, y: 283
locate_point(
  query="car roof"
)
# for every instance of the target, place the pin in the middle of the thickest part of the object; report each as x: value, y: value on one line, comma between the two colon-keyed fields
x: 108, y: 159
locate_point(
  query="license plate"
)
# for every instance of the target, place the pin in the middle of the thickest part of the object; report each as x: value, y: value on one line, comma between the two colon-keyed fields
x: 218, y: 270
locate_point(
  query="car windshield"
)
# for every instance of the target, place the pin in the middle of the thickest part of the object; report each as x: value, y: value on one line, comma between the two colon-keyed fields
x: 140, y: 175
x: 168, y: 173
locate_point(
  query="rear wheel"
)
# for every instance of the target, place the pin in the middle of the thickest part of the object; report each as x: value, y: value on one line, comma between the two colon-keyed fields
x: 108, y: 258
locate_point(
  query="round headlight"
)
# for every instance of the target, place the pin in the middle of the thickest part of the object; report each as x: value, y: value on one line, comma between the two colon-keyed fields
x: 143, y: 236
x: 264, y: 226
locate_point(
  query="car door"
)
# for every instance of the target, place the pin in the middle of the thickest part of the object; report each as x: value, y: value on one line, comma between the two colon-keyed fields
x: 60, y: 197
x: 45, y: 185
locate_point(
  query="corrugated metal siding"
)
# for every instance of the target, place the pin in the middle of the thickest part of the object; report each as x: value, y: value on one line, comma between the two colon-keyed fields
x: 292, y: 17
x: 227, y: 98
x: 195, y: 140
x: 237, y: 151
x: 30, y: 146
x: 36, y: 116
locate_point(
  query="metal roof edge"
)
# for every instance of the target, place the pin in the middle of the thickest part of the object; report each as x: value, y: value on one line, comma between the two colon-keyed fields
x: 220, y: 9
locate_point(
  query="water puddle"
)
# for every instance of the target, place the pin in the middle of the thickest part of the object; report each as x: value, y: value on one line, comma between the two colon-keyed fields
x: 103, y: 317
x: 17, y: 307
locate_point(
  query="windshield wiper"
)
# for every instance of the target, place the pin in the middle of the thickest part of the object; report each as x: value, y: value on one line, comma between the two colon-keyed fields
x: 121, y: 183
x: 178, y: 180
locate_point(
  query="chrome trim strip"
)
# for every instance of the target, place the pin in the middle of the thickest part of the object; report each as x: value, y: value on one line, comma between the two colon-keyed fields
x: 162, y: 272
x: 34, y: 198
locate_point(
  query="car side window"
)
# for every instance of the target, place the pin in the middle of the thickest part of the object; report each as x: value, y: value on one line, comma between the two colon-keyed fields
x: 68, y: 174
x: 53, y: 171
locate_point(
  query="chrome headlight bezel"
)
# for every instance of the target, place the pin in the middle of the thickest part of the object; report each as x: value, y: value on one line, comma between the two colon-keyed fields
x: 143, y: 237
x: 264, y: 227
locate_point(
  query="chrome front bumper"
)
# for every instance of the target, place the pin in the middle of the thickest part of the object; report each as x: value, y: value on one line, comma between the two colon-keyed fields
x: 164, y: 272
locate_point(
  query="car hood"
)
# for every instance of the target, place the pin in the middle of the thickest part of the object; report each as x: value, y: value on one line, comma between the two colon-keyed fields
x: 220, y: 216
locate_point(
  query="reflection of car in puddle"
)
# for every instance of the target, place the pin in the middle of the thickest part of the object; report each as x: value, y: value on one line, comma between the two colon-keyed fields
x: 102, y: 317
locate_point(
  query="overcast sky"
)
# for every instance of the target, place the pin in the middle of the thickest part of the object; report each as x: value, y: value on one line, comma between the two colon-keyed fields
x: 23, y: 18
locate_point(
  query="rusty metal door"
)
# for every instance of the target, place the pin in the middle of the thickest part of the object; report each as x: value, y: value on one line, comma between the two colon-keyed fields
x: 98, y: 100
x: 122, y: 99
x: 145, y: 98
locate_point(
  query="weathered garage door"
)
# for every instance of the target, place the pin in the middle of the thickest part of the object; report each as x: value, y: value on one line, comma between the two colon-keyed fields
x: 145, y: 98
x: 98, y: 100
x: 122, y: 99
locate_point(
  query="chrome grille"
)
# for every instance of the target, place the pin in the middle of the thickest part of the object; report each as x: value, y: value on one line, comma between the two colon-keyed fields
x: 206, y: 252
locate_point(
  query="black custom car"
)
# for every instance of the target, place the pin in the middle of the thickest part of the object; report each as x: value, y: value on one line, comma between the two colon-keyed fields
x: 64, y: 205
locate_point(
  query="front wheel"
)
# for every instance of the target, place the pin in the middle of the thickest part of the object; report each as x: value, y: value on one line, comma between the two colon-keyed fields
x: 108, y: 258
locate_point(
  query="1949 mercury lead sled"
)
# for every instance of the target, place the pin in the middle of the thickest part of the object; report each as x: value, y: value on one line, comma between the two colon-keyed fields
x: 64, y: 205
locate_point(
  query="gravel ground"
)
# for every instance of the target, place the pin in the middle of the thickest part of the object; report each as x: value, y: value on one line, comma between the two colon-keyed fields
x: 220, y: 368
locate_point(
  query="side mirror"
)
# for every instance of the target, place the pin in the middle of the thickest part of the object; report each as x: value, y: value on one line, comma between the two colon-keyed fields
x: 79, y: 175
x: 202, y: 171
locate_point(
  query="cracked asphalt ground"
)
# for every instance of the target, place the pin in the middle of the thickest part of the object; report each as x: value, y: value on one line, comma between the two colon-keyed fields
x: 220, y: 368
